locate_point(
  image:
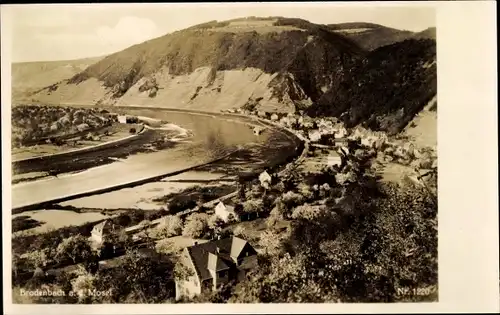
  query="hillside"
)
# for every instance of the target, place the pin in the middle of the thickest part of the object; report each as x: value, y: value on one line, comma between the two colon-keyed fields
x: 281, y: 64
x: 371, y: 36
x: 422, y: 130
x: 216, y: 65
x: 31, y: 76
x: 387, y: 90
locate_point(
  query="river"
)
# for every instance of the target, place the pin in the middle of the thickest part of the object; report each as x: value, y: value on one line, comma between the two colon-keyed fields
x: 213, y: 136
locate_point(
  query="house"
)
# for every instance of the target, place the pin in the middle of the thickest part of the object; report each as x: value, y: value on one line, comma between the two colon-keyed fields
x: 314, y: 135
x: 257, y: 131
x: 370, y: 142
x: 126, y: 119
x: 225, y: 212
x: 308, y: 124
x: 265, y: 180
x: 101, y: 231
x: 113, y: 117
x: 341, y: 133
x: 122, y: 119
x: 211, y: 264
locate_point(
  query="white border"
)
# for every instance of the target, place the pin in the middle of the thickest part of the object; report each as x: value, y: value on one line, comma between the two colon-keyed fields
x: 468, y: 186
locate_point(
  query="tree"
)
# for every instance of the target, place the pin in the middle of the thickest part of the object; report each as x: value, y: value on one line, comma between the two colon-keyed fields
x: 277, y: 213
x: 38, y: 258
x: 182, y: 272
x: 272, y: 242
x: 292, y: 199
x: 83, y: 285
x: 140, y: 278
x: 253, y: 206
x: 166, y: 246
x: 121, y: 239
x: 215, y: 224
x: 169, y: 226
x: 239, y: 231
x: 241, y: 191
x: 285, y: 279
x: 77, y: 248
x: 308, y: 212
x: 256, y: 191
x: 196, y: 225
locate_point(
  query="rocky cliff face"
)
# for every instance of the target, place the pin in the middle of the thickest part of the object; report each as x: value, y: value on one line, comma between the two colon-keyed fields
x: 215, y: 66
x: 280, y: 64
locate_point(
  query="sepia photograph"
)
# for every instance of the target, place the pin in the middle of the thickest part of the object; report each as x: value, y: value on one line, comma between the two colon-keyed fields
x: 183, y: 154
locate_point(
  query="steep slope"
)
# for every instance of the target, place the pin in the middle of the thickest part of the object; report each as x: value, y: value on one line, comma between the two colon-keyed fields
x: 371, y: 36
x: 31, y: 76
x: 422, y: 130
x: 285, y: 57
x: 387, y: 90
x: 280, y: 64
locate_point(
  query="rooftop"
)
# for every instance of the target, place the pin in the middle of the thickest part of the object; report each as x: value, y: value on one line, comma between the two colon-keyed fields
x: 215, y: 255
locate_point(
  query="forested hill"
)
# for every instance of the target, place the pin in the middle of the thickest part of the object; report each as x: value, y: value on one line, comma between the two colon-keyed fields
x: 385, y: 91
x: 364, y: 72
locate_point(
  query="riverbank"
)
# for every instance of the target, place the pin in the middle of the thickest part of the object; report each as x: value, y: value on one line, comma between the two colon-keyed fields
x: 67, y: 190
x: 116, y: 134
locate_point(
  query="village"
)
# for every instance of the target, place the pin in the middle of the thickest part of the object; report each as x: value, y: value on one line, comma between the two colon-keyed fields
x: 219, y: 241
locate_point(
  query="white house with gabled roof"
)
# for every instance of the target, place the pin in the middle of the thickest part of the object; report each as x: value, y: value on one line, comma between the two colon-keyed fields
x: 225, y: 212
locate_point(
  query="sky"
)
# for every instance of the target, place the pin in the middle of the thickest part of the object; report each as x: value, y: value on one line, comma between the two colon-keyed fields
x: 63, y: 32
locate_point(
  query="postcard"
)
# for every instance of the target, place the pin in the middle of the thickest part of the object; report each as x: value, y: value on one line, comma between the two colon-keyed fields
x: 250, y: 157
